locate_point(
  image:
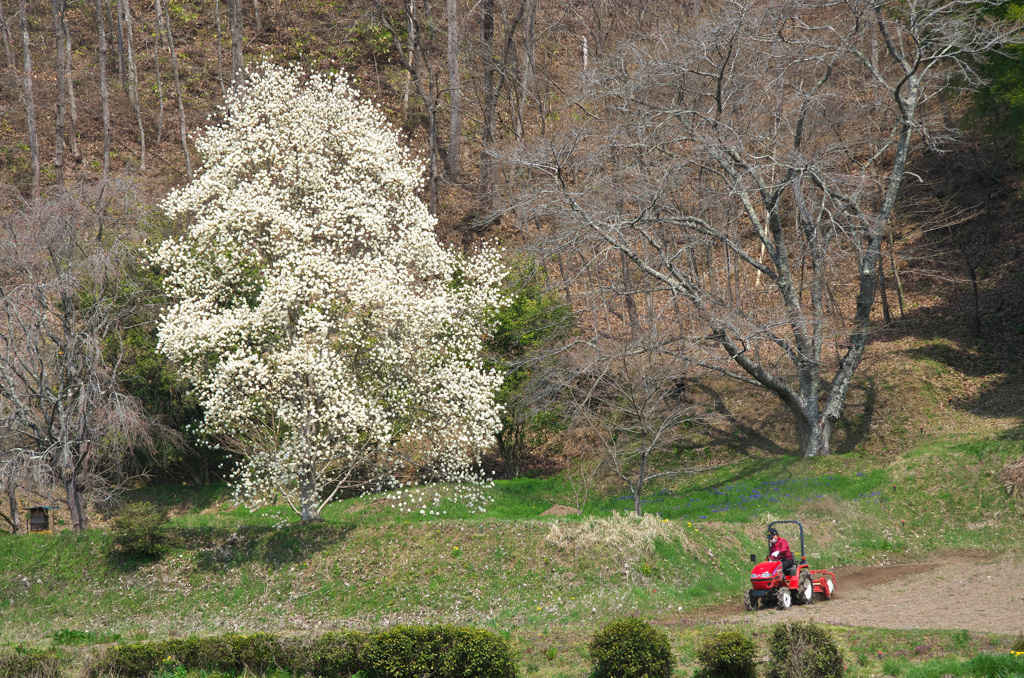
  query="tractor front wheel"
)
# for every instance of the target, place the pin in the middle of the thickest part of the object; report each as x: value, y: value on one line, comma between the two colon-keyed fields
x: 805, y: 591
x: 783, y: 599
x: 749, y: 601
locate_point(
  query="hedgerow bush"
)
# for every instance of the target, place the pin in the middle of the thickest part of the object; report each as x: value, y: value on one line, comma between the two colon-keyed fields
x: 332, y: 654
x: 804, y: 650
x: 729, y: 654
x: 22, y: 662
x: 140, y: 531
x: 631, y: 648
x: 438, y: 651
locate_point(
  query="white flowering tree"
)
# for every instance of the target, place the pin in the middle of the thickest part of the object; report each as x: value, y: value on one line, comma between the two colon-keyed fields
x: 324, y: 328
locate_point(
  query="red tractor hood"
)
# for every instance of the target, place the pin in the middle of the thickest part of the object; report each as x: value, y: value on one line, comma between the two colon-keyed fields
x: 767, y: 567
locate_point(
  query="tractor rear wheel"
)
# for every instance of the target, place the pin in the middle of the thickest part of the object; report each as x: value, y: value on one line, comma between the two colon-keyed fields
x: 749, y: 601
x: 783, y: 599
x: 805, y: 590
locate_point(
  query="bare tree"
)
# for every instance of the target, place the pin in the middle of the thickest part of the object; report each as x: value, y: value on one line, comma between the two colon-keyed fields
x: 627, y: 397
x: 125, y: 22
x: 454, y: 92
x: 5, y: 36
x: 70, y: 83
x: 57, y: 9
x: 177, y: 83
x: 104, y: 86
x: 237, y: 63
x: 765, y: 143
x: 27, y: 93
x: 63, y: 299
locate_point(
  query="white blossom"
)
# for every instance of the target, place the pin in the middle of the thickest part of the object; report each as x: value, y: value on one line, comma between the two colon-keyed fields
x: 324, y: 328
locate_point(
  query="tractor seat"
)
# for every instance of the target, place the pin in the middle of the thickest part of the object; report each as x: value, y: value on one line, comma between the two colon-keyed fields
x: 791, y: 570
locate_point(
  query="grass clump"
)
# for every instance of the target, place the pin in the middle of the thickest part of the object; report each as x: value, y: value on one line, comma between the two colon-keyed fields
x: 141, y: 531
x: 631, y: 648
x: 73, y: 637
x: 981, y: 666
x: 729, y: 654
x: 804, y: 650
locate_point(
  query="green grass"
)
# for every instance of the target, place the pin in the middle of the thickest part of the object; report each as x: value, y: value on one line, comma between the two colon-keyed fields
x: 368, y: 564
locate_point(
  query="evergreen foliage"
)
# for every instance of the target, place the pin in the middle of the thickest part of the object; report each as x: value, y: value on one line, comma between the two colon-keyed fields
x: 631, y: 648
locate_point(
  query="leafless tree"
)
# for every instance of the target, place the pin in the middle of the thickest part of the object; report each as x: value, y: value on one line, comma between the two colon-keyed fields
x: 101, y: 32
x: 748, y: 162
x: 28, y: 94
x: 454, y: 92
x: 5, y: 37
x: 64, y: 298
x: 628, y: 398
x: 58, y: 9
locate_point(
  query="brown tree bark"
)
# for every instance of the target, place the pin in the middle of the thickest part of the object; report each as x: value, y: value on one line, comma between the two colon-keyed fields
x: 104, y: 86
x: 5, y: 37
x: 454, y: 93
x: 72, y: 134
x: 159, y: 84
x: 30, y: 107
x: 115, y: 22
x: 57, y: 8
x: 220, y: 52
x: 125, y: 20
x: 177, y: 86
x: 237, y: 64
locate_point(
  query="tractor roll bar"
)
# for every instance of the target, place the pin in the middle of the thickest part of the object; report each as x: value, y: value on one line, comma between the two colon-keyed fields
x: 797, y: 523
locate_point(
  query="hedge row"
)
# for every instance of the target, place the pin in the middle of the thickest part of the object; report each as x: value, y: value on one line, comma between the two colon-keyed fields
x: 400, y: 652
x: 30, y: 663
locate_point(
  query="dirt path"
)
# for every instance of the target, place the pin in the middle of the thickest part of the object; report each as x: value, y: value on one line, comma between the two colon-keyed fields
x: 960, y: 592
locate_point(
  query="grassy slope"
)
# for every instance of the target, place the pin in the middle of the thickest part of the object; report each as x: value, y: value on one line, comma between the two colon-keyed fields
x: 368, y: 565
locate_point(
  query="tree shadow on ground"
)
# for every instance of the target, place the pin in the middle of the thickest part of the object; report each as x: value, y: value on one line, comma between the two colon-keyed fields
x: 217, y: 548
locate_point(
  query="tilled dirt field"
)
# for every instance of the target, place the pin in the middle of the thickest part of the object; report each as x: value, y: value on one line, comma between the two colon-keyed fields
x: 959, y: 592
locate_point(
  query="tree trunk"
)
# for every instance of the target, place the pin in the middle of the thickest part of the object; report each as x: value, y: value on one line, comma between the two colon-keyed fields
x: 104, y: 86
x: 30, y: 106
x: 526, y: 83
x: 638, y: 489
x: 5, y: 36
x: 177, y: 88
x: 237, y: 65
x: 883, y: 293
x: 432, y: 142
x: 220, y: 55
x: 115, y: 20
x: 76, y: 503
x: 896, y: 275
x: 976, y: 315
x: 454, y: 93
x: 627, y: 287
x: 490, y: 104
x: 57, y: 8
x: 256, y: 14
x: 308, y: 495
x: 69, y: 78
x: 12, y: 502
x: 125, y: 20
x: 160, y: 85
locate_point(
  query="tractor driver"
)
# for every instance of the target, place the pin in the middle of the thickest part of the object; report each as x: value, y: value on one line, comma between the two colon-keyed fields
x: 778, y: 550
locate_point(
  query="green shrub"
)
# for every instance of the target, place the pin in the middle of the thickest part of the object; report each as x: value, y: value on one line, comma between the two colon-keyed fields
x: 631, y: 648
x: 23, y: 662
x: 729, y: 654
x: 72, y: 637
x: 1018, y: 644
x: 140, y: 531
x: 255, y: 653
x: 804, y: 650
x: 438, y: 651
x: 131, y: 660
x: 334, y: 654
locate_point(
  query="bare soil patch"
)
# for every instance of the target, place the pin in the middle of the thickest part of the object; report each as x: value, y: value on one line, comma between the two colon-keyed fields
x: 960, y: 591
x: 561, y: 510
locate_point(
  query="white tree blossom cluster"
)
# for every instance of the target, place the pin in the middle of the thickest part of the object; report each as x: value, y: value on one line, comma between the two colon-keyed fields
x: 332, y: 340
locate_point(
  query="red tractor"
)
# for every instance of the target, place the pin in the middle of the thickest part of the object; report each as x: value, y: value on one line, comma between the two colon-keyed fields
x: 799, y: 584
